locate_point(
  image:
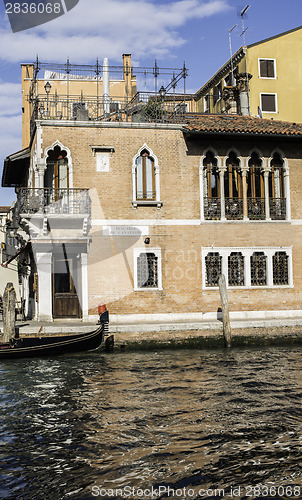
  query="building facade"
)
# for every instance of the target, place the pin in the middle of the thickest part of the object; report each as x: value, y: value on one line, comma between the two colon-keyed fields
x: 144, y: 212
x: 8, y: 270
x: 262, y: 78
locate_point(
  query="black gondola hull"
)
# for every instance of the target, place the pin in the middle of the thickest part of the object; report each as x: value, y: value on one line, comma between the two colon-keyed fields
x: 52, y: 345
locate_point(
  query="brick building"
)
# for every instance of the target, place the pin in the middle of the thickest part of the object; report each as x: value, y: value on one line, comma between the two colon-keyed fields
x: 143, y: 214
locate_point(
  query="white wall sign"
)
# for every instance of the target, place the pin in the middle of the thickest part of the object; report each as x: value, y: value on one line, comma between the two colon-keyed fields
x: 102, y: 161
x: 126, y: 231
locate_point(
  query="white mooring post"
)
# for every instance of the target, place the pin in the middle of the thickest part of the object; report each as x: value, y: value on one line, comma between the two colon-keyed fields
x: 225, y: 311
x: 9, y: 304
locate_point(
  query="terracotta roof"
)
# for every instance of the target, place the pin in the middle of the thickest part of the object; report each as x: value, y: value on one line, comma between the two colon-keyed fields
x: 236, y: 124
x: 4, y: 210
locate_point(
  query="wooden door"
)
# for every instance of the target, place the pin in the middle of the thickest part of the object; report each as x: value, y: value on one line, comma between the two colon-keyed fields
x: 65, y: 290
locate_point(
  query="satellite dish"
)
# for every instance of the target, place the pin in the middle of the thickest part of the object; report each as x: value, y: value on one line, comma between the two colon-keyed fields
x: 259, y: 112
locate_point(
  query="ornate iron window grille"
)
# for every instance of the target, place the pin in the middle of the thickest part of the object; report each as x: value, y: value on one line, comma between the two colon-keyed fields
x: 213, y: 268
x: 236, y: 269
x: 258, y: 269
x: 280, y: 268
x: 147, y: 270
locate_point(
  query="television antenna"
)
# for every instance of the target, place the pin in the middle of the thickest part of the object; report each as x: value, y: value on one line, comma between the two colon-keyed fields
x: 242, y: 19
x: 230, y: 42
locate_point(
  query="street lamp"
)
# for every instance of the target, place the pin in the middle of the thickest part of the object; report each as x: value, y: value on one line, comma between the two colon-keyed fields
x: 47, y: 88
x: 162, y: 93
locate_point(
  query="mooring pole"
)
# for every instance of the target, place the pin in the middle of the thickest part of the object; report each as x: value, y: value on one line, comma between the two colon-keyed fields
x: 225, y: 311
x: 9, y: 304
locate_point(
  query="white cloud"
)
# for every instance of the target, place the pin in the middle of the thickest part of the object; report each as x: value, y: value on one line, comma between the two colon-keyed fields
x: 108, y: 28
x: 10, y: 98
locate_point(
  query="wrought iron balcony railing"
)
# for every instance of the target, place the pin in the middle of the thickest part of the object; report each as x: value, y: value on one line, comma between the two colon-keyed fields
x: 234, y: 208
x: 53, y: 201
x: 277, y: 207
x: 212, y: 208
x: 256, y: 208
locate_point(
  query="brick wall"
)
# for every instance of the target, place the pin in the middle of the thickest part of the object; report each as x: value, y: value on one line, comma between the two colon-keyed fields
x: 111, y: 259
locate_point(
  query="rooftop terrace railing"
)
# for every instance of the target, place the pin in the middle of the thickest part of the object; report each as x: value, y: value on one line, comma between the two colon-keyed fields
x: 143, y: 107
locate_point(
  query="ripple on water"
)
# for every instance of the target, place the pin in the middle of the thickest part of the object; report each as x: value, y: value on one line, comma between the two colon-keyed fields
x: 198, y: 419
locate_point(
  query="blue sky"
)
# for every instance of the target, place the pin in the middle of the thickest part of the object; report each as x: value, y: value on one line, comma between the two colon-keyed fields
x: 194, y: 31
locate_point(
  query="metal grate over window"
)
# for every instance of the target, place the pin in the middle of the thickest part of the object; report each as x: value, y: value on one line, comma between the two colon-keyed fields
x: 213, y: 268
x: 147, y: 270
x: 258, y: 269
x: 236, y: 269
x: 280, y: 268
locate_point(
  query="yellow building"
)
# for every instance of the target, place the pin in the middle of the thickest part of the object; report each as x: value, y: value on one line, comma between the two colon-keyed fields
x: 261, y: 79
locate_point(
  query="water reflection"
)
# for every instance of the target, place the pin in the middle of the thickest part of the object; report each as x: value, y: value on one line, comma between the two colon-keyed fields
x: 185, y: 419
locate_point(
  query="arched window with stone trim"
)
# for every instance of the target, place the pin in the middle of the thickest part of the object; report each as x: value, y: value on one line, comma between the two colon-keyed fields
x: 233, y: 188
x: 56, y: 180
x: 255, y: 188
x: 277, y: 200
x: 145, y: 177
x: 212, y: 204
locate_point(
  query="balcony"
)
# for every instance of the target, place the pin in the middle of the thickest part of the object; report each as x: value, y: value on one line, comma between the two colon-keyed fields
x: 256, y: 208
x: 212, y: 208
x: 51, y: 201
x: 277, y: 207
x: 234, y: 208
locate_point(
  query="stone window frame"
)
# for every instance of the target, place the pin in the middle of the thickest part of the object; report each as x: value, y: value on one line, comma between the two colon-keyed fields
x: 247, y: 253
x: 276, y: 102
x: 259, y: 68
x: 157, y: 201
x: 143, y: 250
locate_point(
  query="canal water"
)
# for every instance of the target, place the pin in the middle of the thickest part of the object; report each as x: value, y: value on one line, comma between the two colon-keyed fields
x: 219, y: 424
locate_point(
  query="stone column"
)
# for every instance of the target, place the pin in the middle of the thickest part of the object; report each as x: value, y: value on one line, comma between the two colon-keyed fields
x: 9, y: 306
x: 44, y: 269
x: 287, y: 193
x: 201, y: 195
x: 222, y: 197
x: 244, y: 171
x: 84, y: 279
x: 266, y: 172
x: 41, y: 172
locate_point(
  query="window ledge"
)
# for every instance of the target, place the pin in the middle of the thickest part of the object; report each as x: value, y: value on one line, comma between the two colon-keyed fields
x: 147, y: 203
x: 146, y: 289
x: 251, y: 287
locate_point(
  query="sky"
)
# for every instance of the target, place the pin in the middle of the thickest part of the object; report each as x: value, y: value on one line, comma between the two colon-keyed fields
x: 171, y: 31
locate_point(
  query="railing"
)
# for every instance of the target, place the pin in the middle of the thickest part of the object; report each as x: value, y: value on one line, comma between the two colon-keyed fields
x: 145, y: 195
x: 256, y: 208
x: 212, y: 208
x: 53, y: 201
x: 143, y: 107
x: 277, y: 207
x: 234, y: 208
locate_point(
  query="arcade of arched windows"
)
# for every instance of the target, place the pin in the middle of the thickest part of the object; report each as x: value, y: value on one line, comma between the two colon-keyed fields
x: 256, y: 189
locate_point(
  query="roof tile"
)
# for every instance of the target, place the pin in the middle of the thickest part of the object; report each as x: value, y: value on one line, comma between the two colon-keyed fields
x: 238, y: 124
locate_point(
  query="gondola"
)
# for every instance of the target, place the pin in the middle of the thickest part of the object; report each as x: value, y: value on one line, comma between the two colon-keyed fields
x: 37, y: 346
